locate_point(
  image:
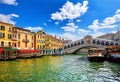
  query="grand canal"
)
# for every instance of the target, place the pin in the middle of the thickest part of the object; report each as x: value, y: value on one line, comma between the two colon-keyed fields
x: 68, y: 68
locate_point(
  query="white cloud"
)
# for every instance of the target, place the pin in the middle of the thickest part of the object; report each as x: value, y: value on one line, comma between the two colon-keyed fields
x: 70, y: 27
x: 81, y: 31
x: 114, y: 31
x: 57, y: 23
x: 97, y: 34
x: 69, y: 36
x: 78, y: 20
x: 9, y: 2
x: 33, y: 29
x: 109, y: 22
x: 8, y: 18
x: 70, y: 11
x: 49, y: 20
x: 44, y: 24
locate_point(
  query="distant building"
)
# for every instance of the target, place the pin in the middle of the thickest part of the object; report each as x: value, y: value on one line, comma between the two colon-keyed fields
x: 66, y: 41
x: 117, y: 36
x: 111, y: 36
x: 46, y: 43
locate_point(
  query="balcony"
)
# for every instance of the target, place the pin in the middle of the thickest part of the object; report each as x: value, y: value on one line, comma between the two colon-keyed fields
x: 47, y: 42
x: 25, y: 40
x: 14, y: 39
x: 14, y: 31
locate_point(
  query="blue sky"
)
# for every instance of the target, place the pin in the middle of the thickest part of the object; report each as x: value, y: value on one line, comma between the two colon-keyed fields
x: 70, y: 19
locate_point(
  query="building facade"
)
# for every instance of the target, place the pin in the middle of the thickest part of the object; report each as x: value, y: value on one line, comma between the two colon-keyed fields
x: 5, y: 34
x: 109, y: 36
x: 19, y: 38
x: 55, y: 45
x: 47, y: 43
x: 22, y: 38
x: 40, y: 38
x: 112, y: 36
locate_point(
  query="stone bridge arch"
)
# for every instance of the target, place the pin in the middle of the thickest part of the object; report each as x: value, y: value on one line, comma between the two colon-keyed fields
x: 88, y: 41
x: 84, y: 46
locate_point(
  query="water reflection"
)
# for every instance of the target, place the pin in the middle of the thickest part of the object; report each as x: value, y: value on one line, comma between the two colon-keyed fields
x: 58, y: 69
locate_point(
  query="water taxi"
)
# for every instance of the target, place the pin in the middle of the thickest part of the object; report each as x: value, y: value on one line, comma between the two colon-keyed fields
x: 95, y: 55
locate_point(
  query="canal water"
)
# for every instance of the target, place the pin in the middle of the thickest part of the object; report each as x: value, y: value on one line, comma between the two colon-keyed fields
x: 68, y: 68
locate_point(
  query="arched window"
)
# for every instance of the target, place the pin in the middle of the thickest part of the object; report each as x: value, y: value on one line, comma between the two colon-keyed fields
x: 71, y: 45
x: 18, y: 44
x: 2, y: 44
x: 78, y: 43
x: 65, y: 47
x: 68, y: 46
x: 107, y: 43
x: 116, y: 44
x: 18, y: 36
x: 94, y: 42
x: 75, y: 44
x: 9, y: 44
x: 111, y: 44
x: 98, y: 42
x: 102, y: 43
x: 15, y: 45
x: 82, y: 42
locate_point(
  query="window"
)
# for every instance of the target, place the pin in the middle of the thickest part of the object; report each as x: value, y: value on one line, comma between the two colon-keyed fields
x: 32, y: 38
x: 2, y: 44
x: 18, y: 36
x: 32, y: 45
x: 18, y: 44
x: 9, y: 36
x: 2, y: 35
x: 2, y: 28
x: 15, y: 36
x: 26, y: 37
x: 38, y: 47
x: 9, y: 44
x: 15, y: 45
x: 10, y: 29
x: 37, y: 41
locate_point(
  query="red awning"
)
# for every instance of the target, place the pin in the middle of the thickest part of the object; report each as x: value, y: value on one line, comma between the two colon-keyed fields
x: 29, y: 51
x: 22, y: 51
x: 1, y: 50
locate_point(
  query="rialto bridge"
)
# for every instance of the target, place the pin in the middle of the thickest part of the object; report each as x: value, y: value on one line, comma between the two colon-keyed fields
x: 88, y: 42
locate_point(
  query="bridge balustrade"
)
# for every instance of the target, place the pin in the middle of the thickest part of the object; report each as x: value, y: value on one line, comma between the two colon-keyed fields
x: 93, y: 42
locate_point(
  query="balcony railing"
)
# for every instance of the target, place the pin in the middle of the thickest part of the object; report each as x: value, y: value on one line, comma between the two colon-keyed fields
x: 14, y: 39
x: 25, y: 40
x: 14, y: 31
x: 47, y: 42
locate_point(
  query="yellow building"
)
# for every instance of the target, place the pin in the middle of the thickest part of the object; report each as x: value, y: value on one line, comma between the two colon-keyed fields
x: 47, y: 43
x: 5, y: 34
x: 22, y: 38
x: 40, y: 38
x: 16, y: 37
x: 55, y: 45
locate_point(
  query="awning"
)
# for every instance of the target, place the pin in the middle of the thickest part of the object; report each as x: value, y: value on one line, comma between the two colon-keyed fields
x: 1, y: 50
x: 15, y: 49
x: 22, y: 51
x: 7, y: 49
